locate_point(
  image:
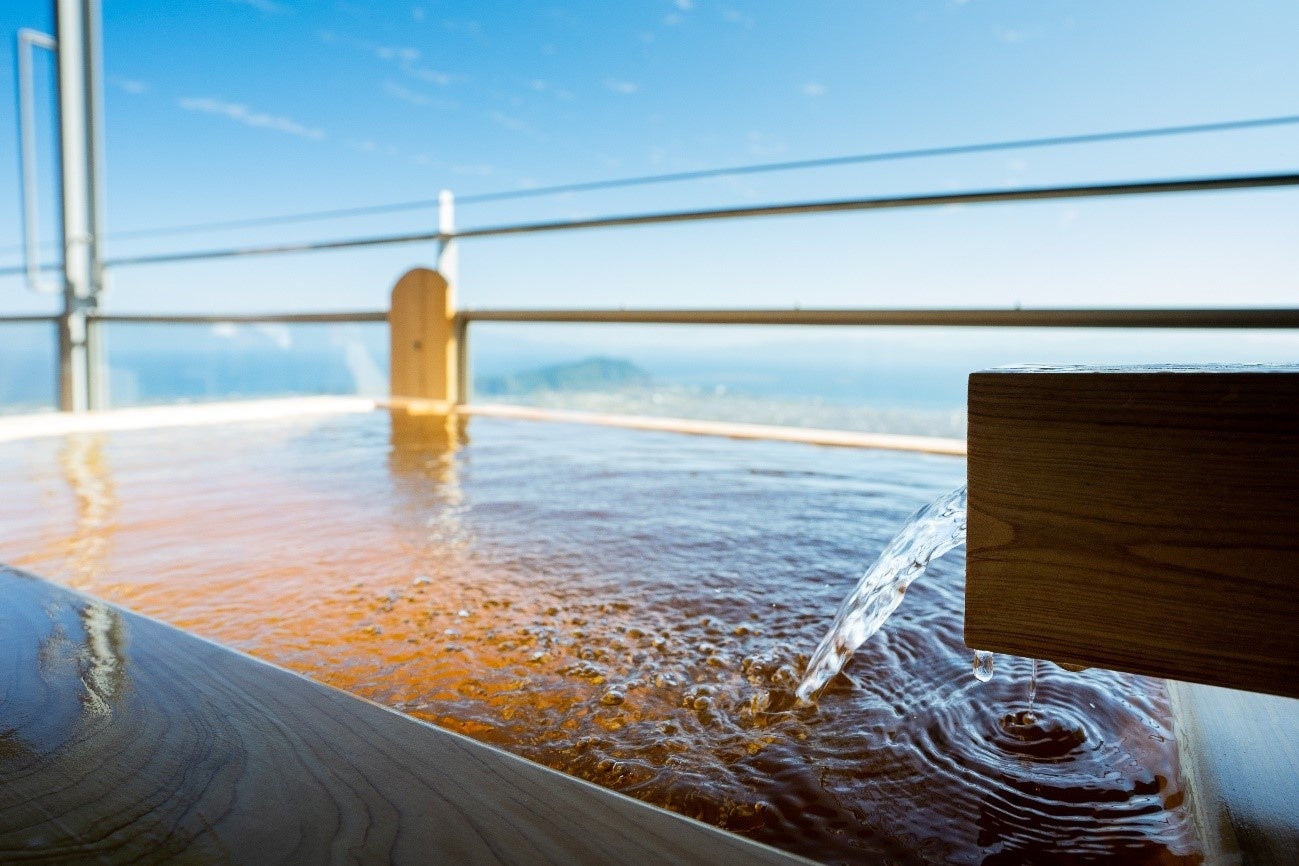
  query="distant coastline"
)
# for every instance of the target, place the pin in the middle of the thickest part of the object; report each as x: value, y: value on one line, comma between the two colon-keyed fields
x: 597, y: 384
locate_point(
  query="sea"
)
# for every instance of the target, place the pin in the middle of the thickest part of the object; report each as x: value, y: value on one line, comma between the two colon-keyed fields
x: 902, y: 380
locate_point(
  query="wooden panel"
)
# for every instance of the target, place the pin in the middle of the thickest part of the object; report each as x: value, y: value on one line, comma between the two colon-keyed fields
x: 1238, y: 754
x: 729, y: 429
x: 124, y: 740
x: 1144, y: 520
x: 423, y: 353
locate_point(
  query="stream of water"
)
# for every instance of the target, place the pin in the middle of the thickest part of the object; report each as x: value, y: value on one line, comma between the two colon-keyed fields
x: 931, y: 532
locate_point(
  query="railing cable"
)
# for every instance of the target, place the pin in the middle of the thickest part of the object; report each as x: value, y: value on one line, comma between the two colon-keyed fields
x: 1156, y: 187
x: 705, y: 174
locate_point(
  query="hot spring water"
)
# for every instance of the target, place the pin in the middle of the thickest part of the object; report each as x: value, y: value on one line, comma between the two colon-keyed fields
x: 635, y: 612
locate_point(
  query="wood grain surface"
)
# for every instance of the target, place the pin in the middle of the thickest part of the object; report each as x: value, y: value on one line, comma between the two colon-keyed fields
x: 1239, y: 752
x: 125, y: 740
x: 423, y: 351
x: 1145, y: 520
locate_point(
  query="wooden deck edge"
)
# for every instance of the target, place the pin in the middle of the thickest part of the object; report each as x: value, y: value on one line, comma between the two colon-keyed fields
x: 728, y: 429
x: 45, y: 424
x: 1238, y: 752
x: 125, y: 739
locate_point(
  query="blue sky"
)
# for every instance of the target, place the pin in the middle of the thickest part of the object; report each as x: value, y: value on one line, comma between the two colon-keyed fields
x: 247, y: 108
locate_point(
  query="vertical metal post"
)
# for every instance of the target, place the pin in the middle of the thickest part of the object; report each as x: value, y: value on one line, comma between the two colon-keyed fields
x: 80, y: 100
x: 448, y: 265
x: 448, y: 262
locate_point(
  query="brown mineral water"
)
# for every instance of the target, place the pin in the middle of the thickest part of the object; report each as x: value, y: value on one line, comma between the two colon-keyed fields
x: 633, y: 608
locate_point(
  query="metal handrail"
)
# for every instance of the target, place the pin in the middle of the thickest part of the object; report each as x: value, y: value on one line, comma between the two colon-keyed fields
x: 28, y: 40
x: 991, y: 317
x: 1259, y: 318
x: 241, y: 318
x: 24, y: 319
x: 1211, y: 184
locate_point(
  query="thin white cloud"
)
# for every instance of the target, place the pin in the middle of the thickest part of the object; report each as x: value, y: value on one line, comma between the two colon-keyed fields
x: 813, y: 88
x: 404, y: 57
x: 467, y: 25
x: 266, y: 7
x: 389, y: 52
x: 479, y: 170
x: 405, y: 94
x: 370, y: 146
x: 677, y: 17
x: 132, y: 86
x: 432, y: 76
x: 736, y: 17
x: 509, y: 121
x: 538, y: 85
x: 414, y: 97
x: 624, y: 87
x: 1011, y: 35
x: 242, y: 114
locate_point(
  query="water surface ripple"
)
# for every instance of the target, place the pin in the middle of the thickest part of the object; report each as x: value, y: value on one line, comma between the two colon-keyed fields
x: 633, y: 608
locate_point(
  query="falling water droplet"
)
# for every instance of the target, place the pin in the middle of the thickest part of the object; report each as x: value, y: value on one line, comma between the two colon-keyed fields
x: 982, y: 666
x: 1032, y: 688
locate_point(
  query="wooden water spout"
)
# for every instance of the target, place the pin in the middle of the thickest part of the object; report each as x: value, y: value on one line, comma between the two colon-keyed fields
x: 1139, y: 519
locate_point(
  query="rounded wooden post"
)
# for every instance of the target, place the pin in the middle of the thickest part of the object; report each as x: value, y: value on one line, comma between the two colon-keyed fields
x: 423, y: 354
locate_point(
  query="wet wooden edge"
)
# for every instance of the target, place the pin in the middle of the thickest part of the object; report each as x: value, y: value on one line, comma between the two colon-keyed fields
x: 123, y: 739
x: 58, y: 424
x: 1239, y: 753
x: 729, y: 429
x: 45, y: 424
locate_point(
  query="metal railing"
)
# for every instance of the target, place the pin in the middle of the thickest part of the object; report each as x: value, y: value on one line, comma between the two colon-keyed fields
x: 447, y: 237
x: 444, y: 236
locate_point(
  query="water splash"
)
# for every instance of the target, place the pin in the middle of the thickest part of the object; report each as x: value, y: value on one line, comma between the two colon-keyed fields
x: 931, y: 532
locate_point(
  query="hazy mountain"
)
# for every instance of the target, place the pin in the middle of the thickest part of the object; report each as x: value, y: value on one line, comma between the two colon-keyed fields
x: 590, y: 374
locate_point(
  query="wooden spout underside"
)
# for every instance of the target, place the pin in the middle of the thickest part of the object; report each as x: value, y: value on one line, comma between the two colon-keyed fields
x: 1139, y: 519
